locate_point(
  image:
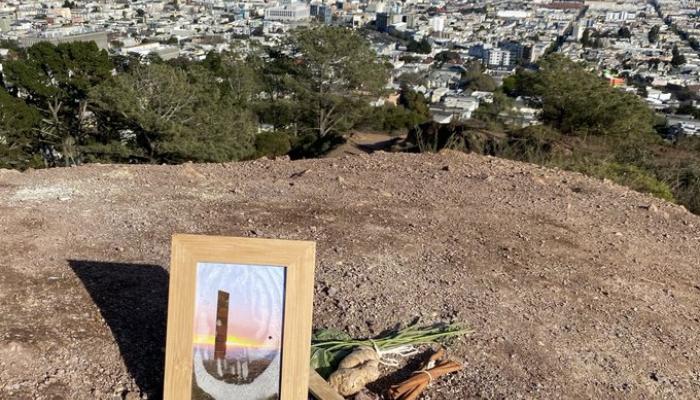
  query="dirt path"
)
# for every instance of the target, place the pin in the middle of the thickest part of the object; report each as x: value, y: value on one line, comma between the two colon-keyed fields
x: 576, y: 288
x: 364, y: 143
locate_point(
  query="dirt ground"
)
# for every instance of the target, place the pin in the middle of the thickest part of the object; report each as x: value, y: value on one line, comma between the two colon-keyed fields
x: 576, y: 288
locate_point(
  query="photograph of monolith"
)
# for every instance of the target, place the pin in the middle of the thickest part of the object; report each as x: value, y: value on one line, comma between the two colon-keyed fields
x: 238, y: 322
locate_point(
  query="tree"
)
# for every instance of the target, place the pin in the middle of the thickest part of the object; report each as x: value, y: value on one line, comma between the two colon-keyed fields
x: 422, y: 47
x: 677, y: 58
x: 494, y: 112
x: 474, y: 78
x: 56, y: 79
x: 654, y: 34
x: 335, y: 70
x: 241, y: 77
x: 624, y: 33
x: 694, y: 44
x: 447, y: 56
x: 411, y: 78
x: 509, y: 85
x: 591, y: 38
x: 577, y: 102
x: 177, y: 115
x: 415, y: 102
x: 586, y: 37
x: 17, y: 141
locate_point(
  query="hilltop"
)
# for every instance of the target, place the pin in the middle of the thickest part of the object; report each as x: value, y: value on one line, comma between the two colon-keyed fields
x: 576, y: 287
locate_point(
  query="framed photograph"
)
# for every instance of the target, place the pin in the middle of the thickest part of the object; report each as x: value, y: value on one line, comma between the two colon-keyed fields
x: 239, y: 319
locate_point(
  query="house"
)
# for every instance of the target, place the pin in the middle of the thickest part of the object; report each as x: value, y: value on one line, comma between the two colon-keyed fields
x: 684, y: 124
x: 454, y: 107
x: 437, y: 94
x: 444, y: 78
x: 467, y: 104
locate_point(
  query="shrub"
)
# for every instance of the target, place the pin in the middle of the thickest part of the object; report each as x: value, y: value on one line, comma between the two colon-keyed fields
x: 685, y: 182
x: 532, y: 144
x: 390, y: 119
x: 311, y: 146
x: 272, y: 144
x: 627, y: 175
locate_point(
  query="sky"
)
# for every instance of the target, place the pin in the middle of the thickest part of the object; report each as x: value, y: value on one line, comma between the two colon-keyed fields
x: 256, y: 304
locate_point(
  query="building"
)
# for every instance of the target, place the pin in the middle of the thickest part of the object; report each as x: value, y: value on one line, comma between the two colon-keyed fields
x: 619, y: 16
x: 100, y: 39
x: 292, y: 12
x: 513, y: 14
x: 578, y: 30
x: 321, y: 12
x: 382, y: 22
x: 515, y: 49
x: 495, y: 58
x: 437, y: 23
x: 144, y: 50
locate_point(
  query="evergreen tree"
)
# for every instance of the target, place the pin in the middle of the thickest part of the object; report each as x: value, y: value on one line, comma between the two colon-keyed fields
x: 56, y: 80
x: 177, y: 115
x: 677, y: 58
x: 18, y: 144
x: 624, y: 33
x: 335, y: 73
x: 422, y: 47
x: 577, y: 102
x: 654, y: 34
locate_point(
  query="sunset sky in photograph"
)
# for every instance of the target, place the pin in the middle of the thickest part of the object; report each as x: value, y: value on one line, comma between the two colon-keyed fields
x: 256, y: 304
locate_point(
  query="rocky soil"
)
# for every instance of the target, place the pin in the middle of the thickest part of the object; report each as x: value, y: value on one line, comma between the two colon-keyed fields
x: 576, y: 288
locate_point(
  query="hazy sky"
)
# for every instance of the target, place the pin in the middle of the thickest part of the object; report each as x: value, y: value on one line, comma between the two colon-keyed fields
x: 256, y: 304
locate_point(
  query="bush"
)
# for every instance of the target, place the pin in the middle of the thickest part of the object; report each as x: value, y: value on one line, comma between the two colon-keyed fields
x: 311, y: 146
x: 433, y: 137
x: 272, y: 144
x: 684, y: 180
x: 627, y: 175
x: 532, y: 144
x: 389, y: 118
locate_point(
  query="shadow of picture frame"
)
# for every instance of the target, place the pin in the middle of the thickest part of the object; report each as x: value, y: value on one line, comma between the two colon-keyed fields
x: 133, y: 301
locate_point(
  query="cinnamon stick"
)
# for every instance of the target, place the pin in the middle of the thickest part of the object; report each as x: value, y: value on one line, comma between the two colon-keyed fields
x: 411, y: 388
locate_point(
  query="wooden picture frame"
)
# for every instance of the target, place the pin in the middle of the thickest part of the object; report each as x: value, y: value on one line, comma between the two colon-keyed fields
x: 239, y: 267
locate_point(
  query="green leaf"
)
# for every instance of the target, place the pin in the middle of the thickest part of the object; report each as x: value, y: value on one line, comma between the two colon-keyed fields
x: 325, y: 361
x: 330, y: 346
x: 323, y: 335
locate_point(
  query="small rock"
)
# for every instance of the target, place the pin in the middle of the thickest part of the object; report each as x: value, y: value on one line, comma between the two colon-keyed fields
x: 366, y: 394
x: 650, y: 207
x: 300, y: 173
